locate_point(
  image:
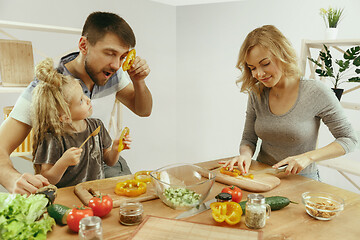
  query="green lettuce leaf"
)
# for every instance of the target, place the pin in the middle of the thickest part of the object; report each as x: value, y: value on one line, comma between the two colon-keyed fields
x: 20, y: 217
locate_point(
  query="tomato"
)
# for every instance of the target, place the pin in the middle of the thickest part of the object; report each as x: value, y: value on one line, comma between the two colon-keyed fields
x: 101, y: 205
x: 76, y: 214
x: 235, y: 192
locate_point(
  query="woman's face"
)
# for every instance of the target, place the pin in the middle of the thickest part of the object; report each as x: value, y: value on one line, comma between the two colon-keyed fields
x: 264, y: 66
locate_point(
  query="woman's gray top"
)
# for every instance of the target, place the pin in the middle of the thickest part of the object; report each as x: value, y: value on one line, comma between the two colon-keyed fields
x: 296, y: 131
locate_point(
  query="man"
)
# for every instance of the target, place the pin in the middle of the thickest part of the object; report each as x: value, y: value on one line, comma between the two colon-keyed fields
x: 106, y: 39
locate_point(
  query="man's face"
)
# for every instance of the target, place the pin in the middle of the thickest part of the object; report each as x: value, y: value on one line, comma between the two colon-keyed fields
x: 104, y: 58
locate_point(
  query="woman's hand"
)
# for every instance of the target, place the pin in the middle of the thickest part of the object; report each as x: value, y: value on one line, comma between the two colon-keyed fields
x: 295, y: 163
x: 243, y: 162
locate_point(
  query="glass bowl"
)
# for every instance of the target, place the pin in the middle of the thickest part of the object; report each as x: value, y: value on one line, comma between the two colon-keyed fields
x: 322, y: 205
x: 182, y: 186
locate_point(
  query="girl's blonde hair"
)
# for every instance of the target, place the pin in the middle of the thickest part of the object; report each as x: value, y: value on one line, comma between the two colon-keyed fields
x: 49, y: 101
x: 270, y: 38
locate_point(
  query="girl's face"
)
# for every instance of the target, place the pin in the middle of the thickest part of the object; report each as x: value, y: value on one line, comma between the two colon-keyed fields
x: 79, y: 103
x: 264, y: 66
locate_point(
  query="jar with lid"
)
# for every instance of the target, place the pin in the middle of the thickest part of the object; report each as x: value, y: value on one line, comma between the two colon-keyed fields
x: 130, y: 213
x: 223, y: 197
x: 90, y: 228
x: 257, y: 211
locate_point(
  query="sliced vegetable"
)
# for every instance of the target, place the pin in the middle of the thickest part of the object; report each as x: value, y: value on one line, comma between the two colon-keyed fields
x: 124, y: 133
x: 181, y: 197
x: 130, y: 188
x: 101, y: 205
x: 143, y: 176
x: 59, y: 213
x: 129, y: 60
x: 235, y: 192
x: 75, y: 215
x: 230, y: 212
x: 235, y: 173
x: 275, y: 202
x: 50, y: 191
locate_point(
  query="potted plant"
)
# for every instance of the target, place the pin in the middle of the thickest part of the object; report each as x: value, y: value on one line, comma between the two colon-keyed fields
x: 336, y: 69
x: 332, y: 18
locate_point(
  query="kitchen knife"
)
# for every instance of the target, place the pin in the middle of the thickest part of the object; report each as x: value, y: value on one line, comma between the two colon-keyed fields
x: 272, y: 170
x: 196, y: 210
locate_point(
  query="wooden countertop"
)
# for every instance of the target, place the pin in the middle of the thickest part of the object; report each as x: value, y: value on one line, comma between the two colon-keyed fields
x: 291, y: 222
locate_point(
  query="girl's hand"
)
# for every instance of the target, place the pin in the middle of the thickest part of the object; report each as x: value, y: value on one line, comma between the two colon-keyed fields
x: 295, y: 163
x: 243, y: 162
x: 72, y: 156
x: 126, y: 141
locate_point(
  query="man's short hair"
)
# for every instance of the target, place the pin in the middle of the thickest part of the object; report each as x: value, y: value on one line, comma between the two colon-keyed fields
x: 98, y: 24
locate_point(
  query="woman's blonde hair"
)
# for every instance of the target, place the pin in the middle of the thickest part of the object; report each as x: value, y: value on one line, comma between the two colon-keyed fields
x: 270, y: 38
x: 49, y: 102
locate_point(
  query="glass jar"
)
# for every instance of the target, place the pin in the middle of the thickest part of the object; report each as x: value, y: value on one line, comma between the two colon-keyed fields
x: 257, y: 211
x: 130, y: 213
x: 90, y: 228
x: 223, y: 197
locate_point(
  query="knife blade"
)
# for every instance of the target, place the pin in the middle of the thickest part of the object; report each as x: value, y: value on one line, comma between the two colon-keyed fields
x: 272, y: 170
x: 196, y: 210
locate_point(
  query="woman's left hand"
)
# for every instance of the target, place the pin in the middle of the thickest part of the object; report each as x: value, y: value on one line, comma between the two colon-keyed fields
x: 295, y: 163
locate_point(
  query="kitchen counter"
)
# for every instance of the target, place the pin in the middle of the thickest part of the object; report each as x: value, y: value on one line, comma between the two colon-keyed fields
x: 292, y: 222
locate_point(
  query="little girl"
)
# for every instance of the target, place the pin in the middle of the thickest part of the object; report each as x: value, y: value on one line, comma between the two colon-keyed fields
x: 60, y: 120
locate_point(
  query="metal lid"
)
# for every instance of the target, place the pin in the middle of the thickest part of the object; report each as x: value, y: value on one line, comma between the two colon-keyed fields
x: 224, y: 196
x: 256, y: 198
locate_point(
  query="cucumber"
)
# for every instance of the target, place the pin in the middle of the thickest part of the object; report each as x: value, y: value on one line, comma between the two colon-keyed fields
x: 59, y: 213
x: 275, y: 202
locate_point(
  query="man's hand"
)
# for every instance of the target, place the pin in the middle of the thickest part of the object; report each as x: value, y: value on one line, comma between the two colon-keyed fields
x: 139, y: 70
x: 28, y: 183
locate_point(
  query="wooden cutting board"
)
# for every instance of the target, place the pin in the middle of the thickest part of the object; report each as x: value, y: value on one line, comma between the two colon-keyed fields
x: 158, y: 228
x: 107, y: 186
x: 260, y: 183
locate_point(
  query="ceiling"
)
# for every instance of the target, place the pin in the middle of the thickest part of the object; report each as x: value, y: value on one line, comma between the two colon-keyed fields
x: 192, y: 2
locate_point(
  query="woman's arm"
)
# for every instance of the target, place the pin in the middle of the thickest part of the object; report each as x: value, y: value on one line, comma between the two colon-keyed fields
x: 297, y: 163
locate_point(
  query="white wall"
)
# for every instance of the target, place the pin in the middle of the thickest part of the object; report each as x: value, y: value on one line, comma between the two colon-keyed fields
x: 198, y: 111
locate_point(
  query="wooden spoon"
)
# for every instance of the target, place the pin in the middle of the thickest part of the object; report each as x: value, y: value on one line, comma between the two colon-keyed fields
x: 94, y: 133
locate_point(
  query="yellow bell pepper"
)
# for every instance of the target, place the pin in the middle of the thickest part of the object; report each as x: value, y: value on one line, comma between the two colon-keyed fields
x: 230, y: 212
x: 143, y: 176
x: 235, y: 173
x: 124, y: 133
x: 130, y: 188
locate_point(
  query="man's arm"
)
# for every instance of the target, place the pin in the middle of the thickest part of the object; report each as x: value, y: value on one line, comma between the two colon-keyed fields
x: 12, y: 134
x: 137, y: 96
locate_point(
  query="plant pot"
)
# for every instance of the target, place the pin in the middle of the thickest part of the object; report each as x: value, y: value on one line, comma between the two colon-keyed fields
x: 338, y: 92
x: 331, y: 33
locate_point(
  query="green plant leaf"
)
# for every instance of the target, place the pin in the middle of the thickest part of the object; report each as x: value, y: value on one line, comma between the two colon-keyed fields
x: 354, y: 79
x: 356, y: 61
x: 351, y: 53
x: 343, y: 65
x: 314, y: 61
x: 357, y: 71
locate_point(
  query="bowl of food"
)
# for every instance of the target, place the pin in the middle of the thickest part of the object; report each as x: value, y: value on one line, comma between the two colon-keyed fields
x: 322, y: 205
x: 182, y: 186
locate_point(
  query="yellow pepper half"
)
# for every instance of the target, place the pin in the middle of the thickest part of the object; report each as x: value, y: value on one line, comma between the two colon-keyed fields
x: 143, y: 176
x: 230, y: 212
x: 130, y: 188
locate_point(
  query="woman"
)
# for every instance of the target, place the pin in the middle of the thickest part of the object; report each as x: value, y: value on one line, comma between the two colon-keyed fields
x: 284, y: 110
